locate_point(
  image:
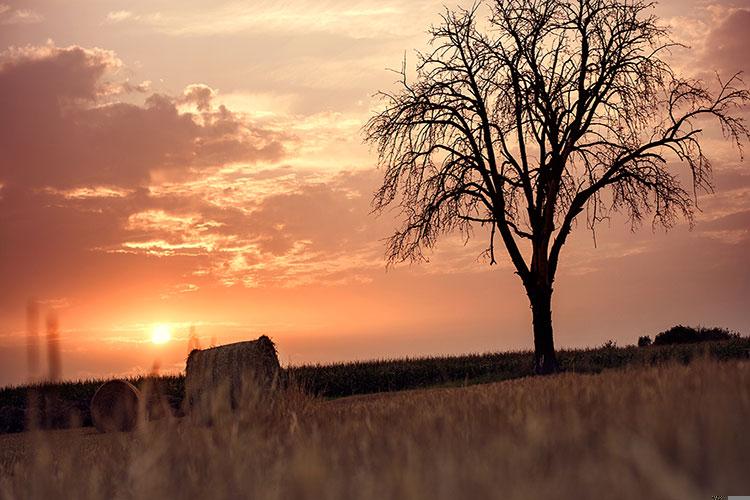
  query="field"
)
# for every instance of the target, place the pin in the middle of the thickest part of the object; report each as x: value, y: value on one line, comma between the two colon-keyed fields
x: 670, y: 431
x: 66, y: 404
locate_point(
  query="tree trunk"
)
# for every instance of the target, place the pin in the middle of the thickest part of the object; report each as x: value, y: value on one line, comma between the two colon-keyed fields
x: 545, y: 361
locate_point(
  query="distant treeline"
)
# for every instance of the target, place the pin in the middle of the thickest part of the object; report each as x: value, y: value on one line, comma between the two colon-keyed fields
x: 347, y: 379
x: 688, y: 335
x: 67, y: 404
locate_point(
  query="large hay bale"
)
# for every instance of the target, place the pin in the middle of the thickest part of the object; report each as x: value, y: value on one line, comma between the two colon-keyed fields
x: 220, y: 377
x: 114, y: 406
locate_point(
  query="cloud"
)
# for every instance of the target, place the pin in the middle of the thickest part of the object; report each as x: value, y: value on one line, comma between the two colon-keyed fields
x: 84, y: 193
x: 62, y: 129
x: 306, y: 231
x: 10, y: 15
x: 118, y: 16
x: 726, y: 45
x: 200, y: 95
x: 86, y: 177
x: 178, y: 178
x: 358, y: 19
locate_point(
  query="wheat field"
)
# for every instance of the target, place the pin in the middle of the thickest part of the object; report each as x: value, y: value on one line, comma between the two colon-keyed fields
x: 668, y: 432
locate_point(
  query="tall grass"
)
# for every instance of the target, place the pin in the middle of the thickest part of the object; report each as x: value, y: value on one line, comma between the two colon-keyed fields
x: 675, y: 431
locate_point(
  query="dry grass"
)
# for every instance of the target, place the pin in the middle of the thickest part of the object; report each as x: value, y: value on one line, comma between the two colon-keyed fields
x: 667, y: 432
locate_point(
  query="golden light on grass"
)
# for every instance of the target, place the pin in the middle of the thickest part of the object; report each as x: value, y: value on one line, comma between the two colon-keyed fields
x: 161, y: 333
x: 668, y: 432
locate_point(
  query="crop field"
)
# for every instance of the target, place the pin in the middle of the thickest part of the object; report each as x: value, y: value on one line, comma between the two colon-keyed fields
x: 672, y: 431
x: 67, y: 404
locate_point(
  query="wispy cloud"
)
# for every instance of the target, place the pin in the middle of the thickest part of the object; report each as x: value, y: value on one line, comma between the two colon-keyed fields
x: 356, y: 18
x: 92, y: 192
x: 119, y: 16
x: 10, y: 15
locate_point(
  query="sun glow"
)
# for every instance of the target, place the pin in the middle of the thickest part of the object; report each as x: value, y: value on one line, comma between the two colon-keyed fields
x: 161, y: 333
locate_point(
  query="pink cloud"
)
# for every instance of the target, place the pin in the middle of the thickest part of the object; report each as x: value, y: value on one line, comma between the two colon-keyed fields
x: 10, y: 15
x: 61, y: 129
x: 200, y: 95
x: 316, y: 231
x: 727, y: 44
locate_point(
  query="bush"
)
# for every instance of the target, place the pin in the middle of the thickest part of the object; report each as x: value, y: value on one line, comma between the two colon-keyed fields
x: 644, y: 341
x: 688, y: 335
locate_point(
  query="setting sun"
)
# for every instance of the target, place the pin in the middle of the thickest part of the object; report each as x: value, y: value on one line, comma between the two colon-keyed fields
x: 161, y: 334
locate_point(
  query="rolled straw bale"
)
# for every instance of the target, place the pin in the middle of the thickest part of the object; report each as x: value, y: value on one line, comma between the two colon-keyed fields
x: 114, y: 406
x: 222, y: 375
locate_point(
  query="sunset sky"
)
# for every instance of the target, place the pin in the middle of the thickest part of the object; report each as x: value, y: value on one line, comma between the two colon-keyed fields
x: 188, y: 163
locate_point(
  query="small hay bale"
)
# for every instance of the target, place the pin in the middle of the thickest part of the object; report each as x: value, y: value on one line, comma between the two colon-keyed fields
x: 114, y: 406
x: 222, y: 376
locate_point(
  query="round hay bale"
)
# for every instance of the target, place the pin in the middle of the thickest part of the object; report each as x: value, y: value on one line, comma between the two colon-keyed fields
x: 114, y: 406
x: 221, y: 377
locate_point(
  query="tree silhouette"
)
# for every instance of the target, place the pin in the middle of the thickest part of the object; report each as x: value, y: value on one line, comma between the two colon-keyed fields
x: 523, y: 118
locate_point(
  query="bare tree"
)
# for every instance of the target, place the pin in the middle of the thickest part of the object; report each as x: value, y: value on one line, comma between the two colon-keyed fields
x: 523, y: 118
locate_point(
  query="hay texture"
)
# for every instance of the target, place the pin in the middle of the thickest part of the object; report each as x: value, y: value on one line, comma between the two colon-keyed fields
x: 225, y: 377
x: 114, y: 406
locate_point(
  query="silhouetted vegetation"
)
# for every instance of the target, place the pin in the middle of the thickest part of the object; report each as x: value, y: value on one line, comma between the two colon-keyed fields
x: 67, y: 404
x: 347, y: 379
x: 688, y: 335
x: 644, y: 341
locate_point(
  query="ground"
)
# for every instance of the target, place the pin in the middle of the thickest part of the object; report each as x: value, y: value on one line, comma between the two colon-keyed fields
x: 667, y: 432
